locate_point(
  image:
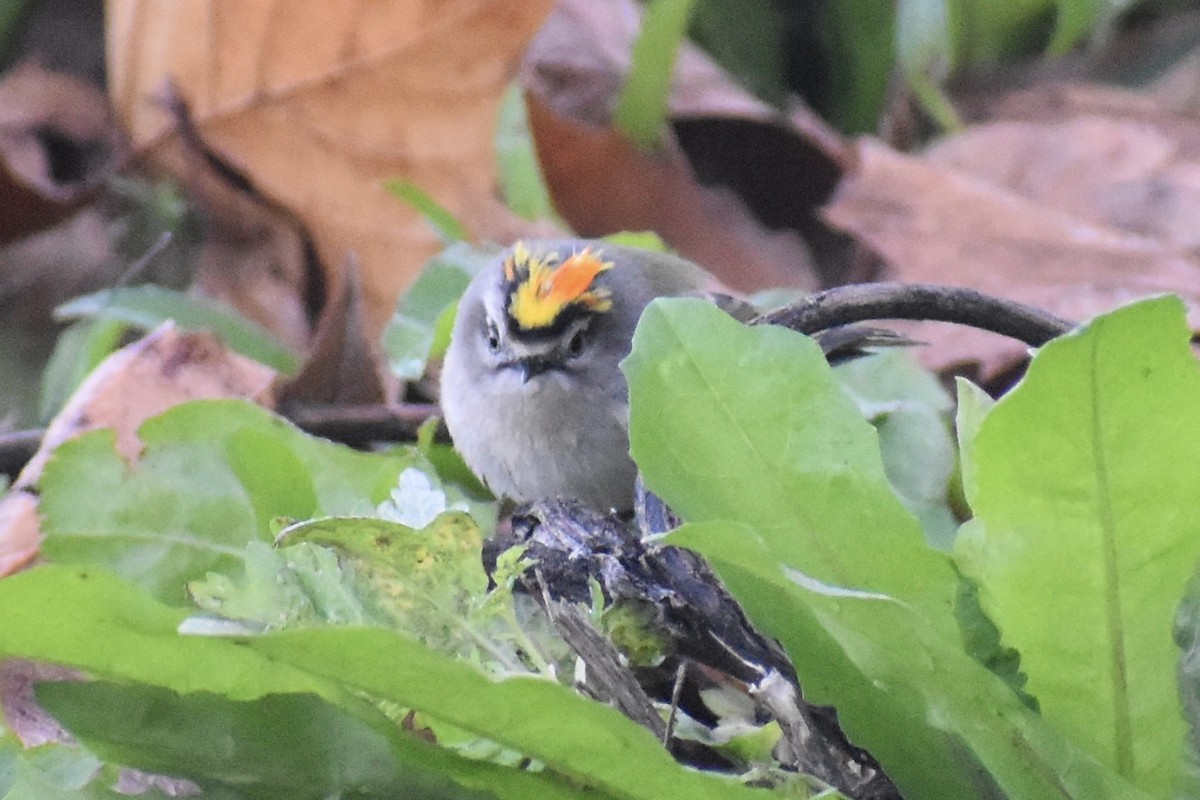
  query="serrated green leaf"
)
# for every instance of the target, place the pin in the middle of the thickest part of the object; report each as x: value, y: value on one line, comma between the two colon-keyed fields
x: 1088, y: 528
x: 416, y: 501
x: 149, y: 306
x: 299, y: 585
x: 212, y: 477
x: 428, y: 583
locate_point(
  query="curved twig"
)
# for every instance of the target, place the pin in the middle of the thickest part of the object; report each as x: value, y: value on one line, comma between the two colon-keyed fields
x: 916, y: 301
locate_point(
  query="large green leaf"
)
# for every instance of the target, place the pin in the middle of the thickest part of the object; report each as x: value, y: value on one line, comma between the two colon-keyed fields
x: 749, y: 424
x: 88, y: 618
x: 1083, y: 483
x: 282, y: 745
x: 590, y: 744
x: 213, y: 476
x: 938, y: 721
x: 731, y: 423
x: 95, y: 621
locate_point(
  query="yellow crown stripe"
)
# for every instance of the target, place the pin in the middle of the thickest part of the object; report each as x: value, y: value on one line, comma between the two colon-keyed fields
x: 543, y: 290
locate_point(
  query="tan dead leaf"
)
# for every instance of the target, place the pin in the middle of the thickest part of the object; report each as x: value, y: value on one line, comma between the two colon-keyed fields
x: 255, y: 255
x: 161, y: 370
x: 935, y: 224
x: 600, y: 183
x: 20, y: 531
x: 321, y: 101
x: 1109, y: 157
x: 57, y: 141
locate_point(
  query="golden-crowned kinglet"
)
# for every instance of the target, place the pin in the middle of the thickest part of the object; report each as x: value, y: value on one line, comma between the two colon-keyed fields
x: 531, y: 388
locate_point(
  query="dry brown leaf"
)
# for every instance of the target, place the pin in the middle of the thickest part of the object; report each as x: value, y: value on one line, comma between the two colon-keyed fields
x: 1125, y: 174
x: 57, y: 140
x: 934, y: 224
x: 255, y: 255
x: 600, y: 183
x: 161, y: 370
x: 320, y: 102
x: 342, y: 366
x: 20, y: 531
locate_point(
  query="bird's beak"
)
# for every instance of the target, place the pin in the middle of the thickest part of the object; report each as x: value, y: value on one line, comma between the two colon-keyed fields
x: 531, y: 367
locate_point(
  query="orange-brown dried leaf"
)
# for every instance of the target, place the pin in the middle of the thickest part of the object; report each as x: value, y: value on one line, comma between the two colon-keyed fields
x: 342, y: 365
x: 57, y: 142
x: 602, y: 183
x: 931, y: 223
x: 320, y: 102
x: 573, y: 72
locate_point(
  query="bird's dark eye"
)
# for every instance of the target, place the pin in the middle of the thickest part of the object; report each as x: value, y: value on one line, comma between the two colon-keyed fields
x: 575, y: 346
x: 493, y: 337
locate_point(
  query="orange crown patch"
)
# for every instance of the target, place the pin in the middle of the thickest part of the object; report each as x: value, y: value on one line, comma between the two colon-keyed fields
x: 542, y: 287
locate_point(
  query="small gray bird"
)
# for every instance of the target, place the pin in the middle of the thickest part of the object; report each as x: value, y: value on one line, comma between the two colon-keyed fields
x: 531, y: 388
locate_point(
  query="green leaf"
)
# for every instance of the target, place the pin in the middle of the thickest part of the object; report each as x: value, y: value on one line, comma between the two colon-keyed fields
x: 149, y: 306
x: 212, y: 477
x: 441, y: 218
x: 749, y: 424
x: 908, y: 408
x: 973, y: 407
x: 54, y: 771
x: 1088, y: 528
x: 1187, y: 638
x: 1076, y: 20
x: 296, y: 586
x: 859, y: 41
x: 420, y: 327
x: 519, y: 173
x: 295, y: 746
x: 95, y: 621
x: 749, y: 39
x: 925, y: 49
x: 80, y: 347
x: 941, y: 724
x: 642, y: 110
x: 733, y: 423
x: 600, y: 751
